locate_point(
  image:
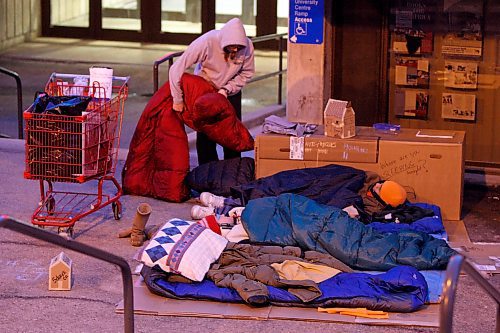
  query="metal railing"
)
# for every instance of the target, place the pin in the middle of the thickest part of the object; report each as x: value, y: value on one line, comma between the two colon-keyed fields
x: 280, y: 37
x: 450, y: 287
x: 128, y: 300
x: 19, y: 99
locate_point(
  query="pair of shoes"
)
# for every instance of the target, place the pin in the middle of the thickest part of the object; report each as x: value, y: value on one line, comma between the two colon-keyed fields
x: 198, y: 212
x: 208, y: 199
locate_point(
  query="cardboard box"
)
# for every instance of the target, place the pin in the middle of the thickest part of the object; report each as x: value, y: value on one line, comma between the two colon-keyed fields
x: 432, y: 164
x: 274, y: 153
x: 339, y: 119
x: 61, y: 272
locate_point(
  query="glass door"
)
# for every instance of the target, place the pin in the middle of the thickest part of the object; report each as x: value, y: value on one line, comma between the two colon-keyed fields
x: 158, y: 21
x: 283, y: 6
x: 181, y: 16
x: 121, y: 14
x: 246, y: 10
x: 70, y: 13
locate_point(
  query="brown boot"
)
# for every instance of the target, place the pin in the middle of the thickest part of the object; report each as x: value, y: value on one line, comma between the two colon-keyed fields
x: 137, y: 236
x: 150, y: 231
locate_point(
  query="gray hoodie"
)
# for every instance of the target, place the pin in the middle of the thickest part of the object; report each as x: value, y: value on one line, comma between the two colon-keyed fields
x: 207, y: 51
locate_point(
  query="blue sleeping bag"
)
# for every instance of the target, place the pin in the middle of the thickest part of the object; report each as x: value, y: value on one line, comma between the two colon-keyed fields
x: 401, y: 289
x: 432, y: 225
x: 294, y: 220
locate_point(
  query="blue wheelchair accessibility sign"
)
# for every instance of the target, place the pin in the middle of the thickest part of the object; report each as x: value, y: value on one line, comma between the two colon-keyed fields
x: 306, y: 21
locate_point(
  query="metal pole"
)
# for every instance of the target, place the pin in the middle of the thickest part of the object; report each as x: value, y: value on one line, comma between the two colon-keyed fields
x: 450, y: 287
x: 449, y: 291
x: 168, y: 57
x: 155, y: 77
x: 280, y: 76
x: 11, y: 224
x: 19, y: 100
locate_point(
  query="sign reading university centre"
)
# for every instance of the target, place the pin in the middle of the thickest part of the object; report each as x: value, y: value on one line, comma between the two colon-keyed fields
x: 306, y: 21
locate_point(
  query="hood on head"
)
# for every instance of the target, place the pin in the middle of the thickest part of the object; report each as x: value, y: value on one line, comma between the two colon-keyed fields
x: 233, y: 33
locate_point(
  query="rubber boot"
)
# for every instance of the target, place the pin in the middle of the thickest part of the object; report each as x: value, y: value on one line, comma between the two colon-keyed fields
x: 137, y: 237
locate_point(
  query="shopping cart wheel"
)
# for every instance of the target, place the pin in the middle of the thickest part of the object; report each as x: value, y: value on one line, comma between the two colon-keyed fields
x: 68, y: 233
x: 50, y: 204
x: 117, y: 209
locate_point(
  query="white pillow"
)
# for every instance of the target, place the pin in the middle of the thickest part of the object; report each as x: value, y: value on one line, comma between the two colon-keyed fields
x: 185, y: 248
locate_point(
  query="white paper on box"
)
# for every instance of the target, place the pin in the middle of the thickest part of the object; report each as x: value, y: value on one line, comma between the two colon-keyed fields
x: 296, y: 148
x: 101, y: 77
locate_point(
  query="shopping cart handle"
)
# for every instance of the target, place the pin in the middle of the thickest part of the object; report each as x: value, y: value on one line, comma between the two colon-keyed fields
x: 71, y: 76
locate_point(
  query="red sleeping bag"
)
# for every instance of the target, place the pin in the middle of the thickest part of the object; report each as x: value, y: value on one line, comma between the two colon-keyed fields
x: 158, y: 157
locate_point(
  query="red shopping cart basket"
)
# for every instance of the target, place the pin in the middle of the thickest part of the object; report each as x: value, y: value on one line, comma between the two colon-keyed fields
x: 74, y: 147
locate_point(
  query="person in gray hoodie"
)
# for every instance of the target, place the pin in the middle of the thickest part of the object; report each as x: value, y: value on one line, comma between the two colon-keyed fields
x: 225, y: 58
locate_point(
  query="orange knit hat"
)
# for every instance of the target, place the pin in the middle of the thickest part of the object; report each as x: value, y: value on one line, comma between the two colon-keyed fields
x: 392, y: 193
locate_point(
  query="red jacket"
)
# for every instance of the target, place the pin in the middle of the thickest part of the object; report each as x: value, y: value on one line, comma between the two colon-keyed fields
x: 158, y: 158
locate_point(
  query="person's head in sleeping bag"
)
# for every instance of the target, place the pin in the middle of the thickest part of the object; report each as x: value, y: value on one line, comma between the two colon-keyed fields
x: 388, y: 192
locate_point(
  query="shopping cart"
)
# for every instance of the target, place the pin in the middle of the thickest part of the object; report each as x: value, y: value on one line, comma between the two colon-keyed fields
x: 75, y: 149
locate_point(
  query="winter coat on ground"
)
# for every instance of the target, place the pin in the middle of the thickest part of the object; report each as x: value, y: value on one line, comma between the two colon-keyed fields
x: 295, y: 220
x: 158, y: 158
x: 247, y: 269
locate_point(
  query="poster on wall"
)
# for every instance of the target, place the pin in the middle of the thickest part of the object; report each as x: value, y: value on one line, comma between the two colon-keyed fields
x: 414, y: 42
x: 413, y: 14
x: 458, y: 106
x: 412, y: 72
x: 464, y: 36
x: 411, y: 103
x: 461, y: 75
x: 412, y: 25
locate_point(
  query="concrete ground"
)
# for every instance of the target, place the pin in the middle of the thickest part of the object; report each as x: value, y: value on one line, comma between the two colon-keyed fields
x: 25, y: 303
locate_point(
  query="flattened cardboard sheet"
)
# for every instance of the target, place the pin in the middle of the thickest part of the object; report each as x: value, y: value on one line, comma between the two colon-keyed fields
x: 307, y: 314
x: 146, y: 303
x: 486, y: 256
x: 456, y: 230
x: 428, y: 317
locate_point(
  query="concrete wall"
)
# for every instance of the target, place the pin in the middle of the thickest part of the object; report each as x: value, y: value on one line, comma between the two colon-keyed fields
x: 20, y: 21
